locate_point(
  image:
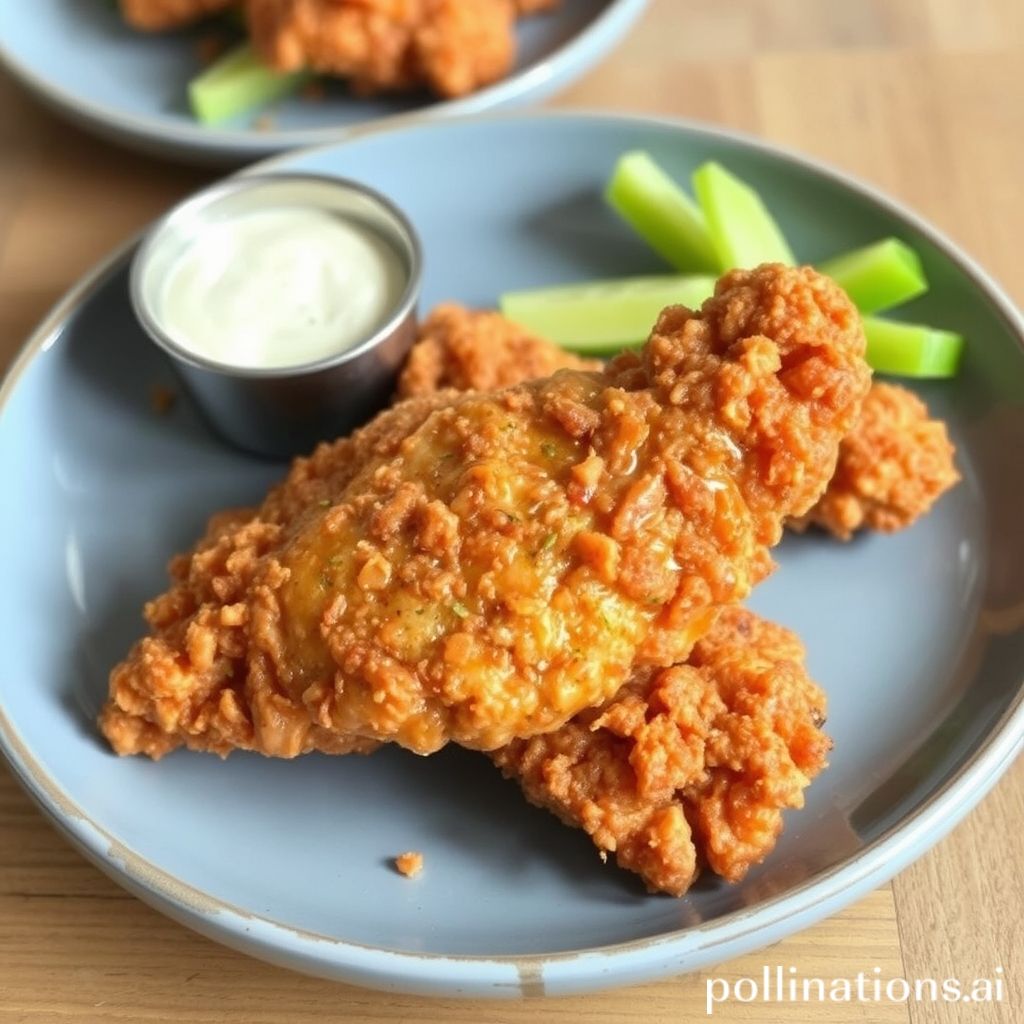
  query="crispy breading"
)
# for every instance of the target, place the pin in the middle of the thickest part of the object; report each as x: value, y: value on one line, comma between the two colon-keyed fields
x: 158, y: 707
x: 895, y: 463
x: 460, y: 46
x: 366, y: 41
x: 893, y: 466
x: 409, y: 864
x: 502, y: 561
x: 690, y: 766
x: 472, y: 350
x: 450, y: 46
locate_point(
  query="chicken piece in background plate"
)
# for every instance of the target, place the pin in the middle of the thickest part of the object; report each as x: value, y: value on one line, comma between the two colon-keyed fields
x: 478, y: 350
x: 164, y: 15
x: 461, y: 46
x: 894, y: 465
x: 690, y: 766
x: 450, y: 46
x: 508, y: 560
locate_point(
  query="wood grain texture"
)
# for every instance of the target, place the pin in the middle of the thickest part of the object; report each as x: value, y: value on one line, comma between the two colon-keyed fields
x: 924, y: 98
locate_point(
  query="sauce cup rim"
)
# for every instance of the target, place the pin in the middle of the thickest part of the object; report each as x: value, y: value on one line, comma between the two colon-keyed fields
x: 209, y: 197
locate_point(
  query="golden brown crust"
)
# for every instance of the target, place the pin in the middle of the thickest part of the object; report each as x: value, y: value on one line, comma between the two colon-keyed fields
x: 484, y: 566
x: 893, y: 466
x: 477, y: 350
x: 367, y: 42
x: 155, y: 707
x: 409, y: 864
x: 450, y: 46
x: 691, y: 765
x: 460, y: 47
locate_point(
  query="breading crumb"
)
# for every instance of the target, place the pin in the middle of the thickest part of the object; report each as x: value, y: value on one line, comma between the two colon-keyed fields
x: 162, y: 399
x: 409, y: 864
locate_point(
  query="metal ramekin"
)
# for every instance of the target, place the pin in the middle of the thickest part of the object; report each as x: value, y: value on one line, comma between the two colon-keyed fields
x: 282, y: 411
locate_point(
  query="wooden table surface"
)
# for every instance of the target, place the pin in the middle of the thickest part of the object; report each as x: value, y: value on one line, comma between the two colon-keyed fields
x: 924, y: 98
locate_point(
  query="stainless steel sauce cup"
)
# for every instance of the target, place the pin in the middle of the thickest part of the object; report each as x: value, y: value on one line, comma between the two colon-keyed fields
x: 282, y: 411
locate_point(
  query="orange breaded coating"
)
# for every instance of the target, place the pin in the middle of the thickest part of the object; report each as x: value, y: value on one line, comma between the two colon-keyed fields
x: 367, y: 41
x: 687, y: 766
x: 451, y: 46
x: 163, y: 15
x: 157, y: 706
x: 409, y: 864
x: 460, y: 46
x: 499, y: 562
x: 894, y: 465
x: 473, y: 350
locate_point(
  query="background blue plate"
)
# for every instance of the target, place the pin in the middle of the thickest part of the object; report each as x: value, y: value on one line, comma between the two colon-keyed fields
x: 917, y: 637
x: 79, y: 56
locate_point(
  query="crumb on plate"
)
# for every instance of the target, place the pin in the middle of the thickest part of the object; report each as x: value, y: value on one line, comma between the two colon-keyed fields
x: 162, y: 399
x: 409, y: 864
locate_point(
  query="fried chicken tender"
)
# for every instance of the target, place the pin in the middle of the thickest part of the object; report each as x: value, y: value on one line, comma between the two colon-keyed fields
x: 687, y: 766
x: 502, y: 561
x: 157, y: 704
x: 163, y: 15
x: 451, y: 46
x: 460, y: 47
x: 473, y: 350
x: 894, y: 465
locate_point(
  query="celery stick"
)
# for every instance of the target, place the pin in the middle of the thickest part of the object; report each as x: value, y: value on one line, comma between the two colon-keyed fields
x: 236, y: 83
x: 602, y: 317
x: 661, y: 213
x: 742, y: 230
x: 912, y: 350
x: 878, y: 276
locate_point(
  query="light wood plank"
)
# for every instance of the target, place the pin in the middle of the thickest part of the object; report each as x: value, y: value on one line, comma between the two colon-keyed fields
x: 959, y: 907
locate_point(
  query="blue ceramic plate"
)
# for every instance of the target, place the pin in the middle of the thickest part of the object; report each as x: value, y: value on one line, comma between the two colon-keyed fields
x: 78, y: 56
x: 918, y: 637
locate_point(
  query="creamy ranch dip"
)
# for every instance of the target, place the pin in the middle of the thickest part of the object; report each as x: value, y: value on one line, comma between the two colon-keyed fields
x: 280, y: 287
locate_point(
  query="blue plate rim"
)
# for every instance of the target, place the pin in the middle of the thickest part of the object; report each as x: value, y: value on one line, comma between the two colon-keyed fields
x: 579, y: 970
x: 597, y: 37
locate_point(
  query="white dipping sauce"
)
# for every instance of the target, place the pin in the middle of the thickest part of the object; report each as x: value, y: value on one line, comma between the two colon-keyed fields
x: 280, y: 287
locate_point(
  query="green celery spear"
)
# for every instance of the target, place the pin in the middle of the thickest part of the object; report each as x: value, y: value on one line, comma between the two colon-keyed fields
x: 237, y: 82
x: 912, y: 350
x: 603, y: 317
x: 878, y: 276
x: 743, y: 231
x: 661, y: 213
